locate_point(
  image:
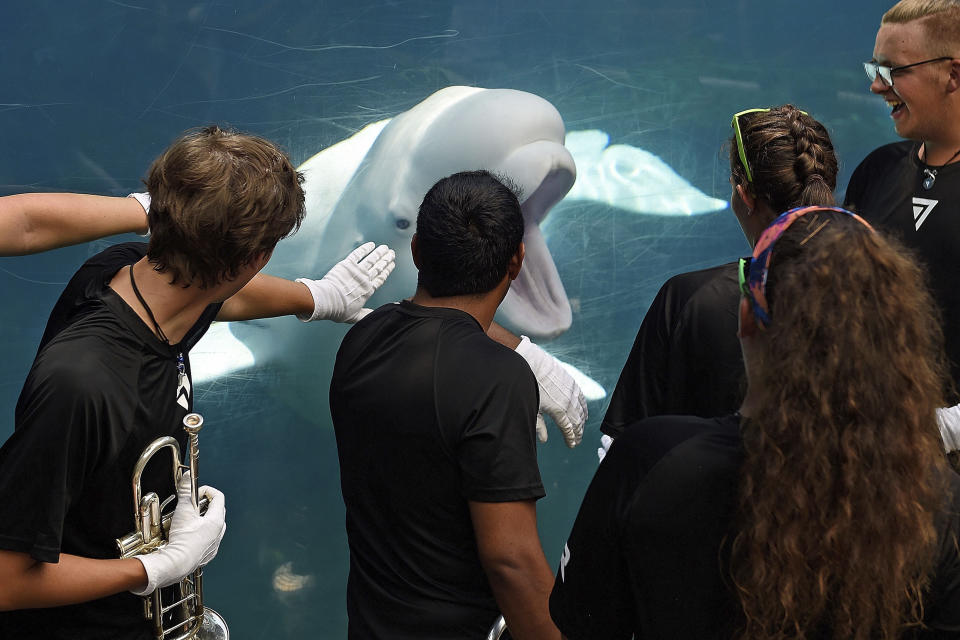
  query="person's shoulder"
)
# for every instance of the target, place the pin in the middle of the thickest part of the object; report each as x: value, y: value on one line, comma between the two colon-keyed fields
x: 76, y: 373
x: 654, y: 438
x: 890, y: 153
x: 684, y: 286
x: 118, y: 255
x: 84, y: 349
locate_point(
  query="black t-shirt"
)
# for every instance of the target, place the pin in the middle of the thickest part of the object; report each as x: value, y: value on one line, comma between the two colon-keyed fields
x: 101, y: 389
x: 429, y: 414
x: 886, y: 189
x: 644, y: 556
x: 686, y: 359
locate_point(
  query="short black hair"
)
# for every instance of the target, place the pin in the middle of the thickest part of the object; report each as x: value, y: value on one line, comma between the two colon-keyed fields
x: 469, y: 226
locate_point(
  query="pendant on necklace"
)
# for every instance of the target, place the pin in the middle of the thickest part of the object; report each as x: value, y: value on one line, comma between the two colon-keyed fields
x: 930, y: 179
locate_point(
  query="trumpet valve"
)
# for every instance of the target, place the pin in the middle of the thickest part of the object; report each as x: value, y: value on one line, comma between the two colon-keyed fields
x: 150, y: 522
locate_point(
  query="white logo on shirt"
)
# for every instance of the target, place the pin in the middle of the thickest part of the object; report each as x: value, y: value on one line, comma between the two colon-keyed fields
x: 564, y: 559
x: 183, y: 392
x: 921, y: 209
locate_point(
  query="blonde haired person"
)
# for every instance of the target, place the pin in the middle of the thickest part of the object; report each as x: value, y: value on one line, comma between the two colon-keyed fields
x: 912, y: 188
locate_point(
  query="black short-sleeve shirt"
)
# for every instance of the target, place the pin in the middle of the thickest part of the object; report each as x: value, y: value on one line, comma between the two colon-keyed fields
x: 645, y: 558
x: 686, y: 358
x: 887, y: 190
x: 101, y: 388
x: 429, y: 414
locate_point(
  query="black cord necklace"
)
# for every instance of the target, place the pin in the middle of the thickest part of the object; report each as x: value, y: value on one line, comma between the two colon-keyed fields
x: 146, y: 307
x: 181, y: 364
x: 931, y: 172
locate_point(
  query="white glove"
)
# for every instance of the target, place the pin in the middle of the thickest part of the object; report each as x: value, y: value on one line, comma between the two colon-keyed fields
x: 341, y: 294
x: 144, y: 200
x: 948, y: 419
x: 560, y: 396
x: 605, y: 442
x: 193, y: 540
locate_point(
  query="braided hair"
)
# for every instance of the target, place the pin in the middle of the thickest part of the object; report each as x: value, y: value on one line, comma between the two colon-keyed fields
x: 791, y: 158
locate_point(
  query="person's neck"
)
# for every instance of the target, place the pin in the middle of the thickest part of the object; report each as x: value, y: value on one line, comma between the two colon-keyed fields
x: 941, y: 151
x: 482, y: 306
x: 759, y: 220
x: 175, y: 308
x: 749, y: 405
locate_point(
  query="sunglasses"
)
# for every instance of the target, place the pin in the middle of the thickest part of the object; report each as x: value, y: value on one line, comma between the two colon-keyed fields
x: 753, y: 269
x: 886, y: 73
x: 739, y: 136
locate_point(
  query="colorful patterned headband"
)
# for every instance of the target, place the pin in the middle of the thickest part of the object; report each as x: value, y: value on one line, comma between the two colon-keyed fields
x: 753, y: 270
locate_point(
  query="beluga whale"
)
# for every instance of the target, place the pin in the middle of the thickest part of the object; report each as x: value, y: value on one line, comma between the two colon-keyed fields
x: 369, y: 188
x: 513, y: 134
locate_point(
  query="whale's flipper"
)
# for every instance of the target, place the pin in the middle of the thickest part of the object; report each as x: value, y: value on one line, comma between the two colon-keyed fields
x: 629, y: 178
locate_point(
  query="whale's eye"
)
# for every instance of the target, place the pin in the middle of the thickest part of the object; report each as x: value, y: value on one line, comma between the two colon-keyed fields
x: 402, y: 223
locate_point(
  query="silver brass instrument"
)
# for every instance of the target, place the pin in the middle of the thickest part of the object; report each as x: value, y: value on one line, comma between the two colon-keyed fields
x: 186, y: 617
x: 496, y: 631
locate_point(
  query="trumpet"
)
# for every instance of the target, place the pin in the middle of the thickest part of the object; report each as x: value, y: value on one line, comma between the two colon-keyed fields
x: 498, y: 629
x: 186, y: 618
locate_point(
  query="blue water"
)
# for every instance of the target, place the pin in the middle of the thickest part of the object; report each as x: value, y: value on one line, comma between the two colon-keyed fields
x: 91, y: 91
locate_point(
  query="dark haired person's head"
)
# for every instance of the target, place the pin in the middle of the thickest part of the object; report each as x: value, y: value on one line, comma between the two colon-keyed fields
x: 782, y: 158
x: 219, y: 201
x: 843, y: 465
x: 469, y: 227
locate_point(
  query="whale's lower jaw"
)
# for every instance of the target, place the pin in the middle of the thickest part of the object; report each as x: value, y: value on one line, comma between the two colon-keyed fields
x: 518, y: 316
x: 536, y: 304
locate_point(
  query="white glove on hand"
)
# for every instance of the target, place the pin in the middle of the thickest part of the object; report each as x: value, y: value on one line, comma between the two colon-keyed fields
x: 193, y: 541
x: 560, y: 396
x: 605, y: 442
x: 341, y: 294
x: 948, y: 419
x: 144, y: 200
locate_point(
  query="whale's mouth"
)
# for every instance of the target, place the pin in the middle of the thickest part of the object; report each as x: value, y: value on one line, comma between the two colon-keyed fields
x: 536, y: 304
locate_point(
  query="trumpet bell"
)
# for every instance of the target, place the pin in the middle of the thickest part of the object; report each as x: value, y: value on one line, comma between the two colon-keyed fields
x: 214, y: 627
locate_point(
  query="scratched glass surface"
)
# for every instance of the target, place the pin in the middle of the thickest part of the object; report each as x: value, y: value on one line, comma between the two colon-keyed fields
x: 91, y: 91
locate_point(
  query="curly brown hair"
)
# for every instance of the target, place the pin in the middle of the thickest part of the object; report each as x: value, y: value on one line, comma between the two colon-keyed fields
x: 844, y: 467
x: 219, y: 200
x: 791, y: 158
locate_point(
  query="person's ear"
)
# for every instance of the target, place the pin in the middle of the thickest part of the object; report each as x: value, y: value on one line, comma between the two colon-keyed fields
x: 747, y: 197
x: 261, y: 260
x: 953, y: 81
x: 516, y: 262
x: 748, y: 323
x: 415, y: 251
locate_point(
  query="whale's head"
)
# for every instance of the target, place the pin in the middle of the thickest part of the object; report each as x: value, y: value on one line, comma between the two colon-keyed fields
x: 512, y: 134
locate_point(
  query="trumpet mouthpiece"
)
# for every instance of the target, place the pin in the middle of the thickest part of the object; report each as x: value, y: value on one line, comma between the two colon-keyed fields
x: 192, y: 422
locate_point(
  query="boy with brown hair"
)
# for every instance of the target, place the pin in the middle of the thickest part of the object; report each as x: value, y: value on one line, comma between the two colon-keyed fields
x: 112, y: 373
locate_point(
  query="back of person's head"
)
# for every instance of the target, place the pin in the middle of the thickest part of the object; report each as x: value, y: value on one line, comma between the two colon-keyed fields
x: 843, y: 464
x: 941, y: 21
x: 468, y: 228
x: 219, y: 200
x: 791, y: 158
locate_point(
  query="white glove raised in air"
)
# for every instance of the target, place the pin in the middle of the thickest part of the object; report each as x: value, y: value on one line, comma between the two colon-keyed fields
x: 341, y: 294
x: 560, y: 395
x: 193, y: 539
